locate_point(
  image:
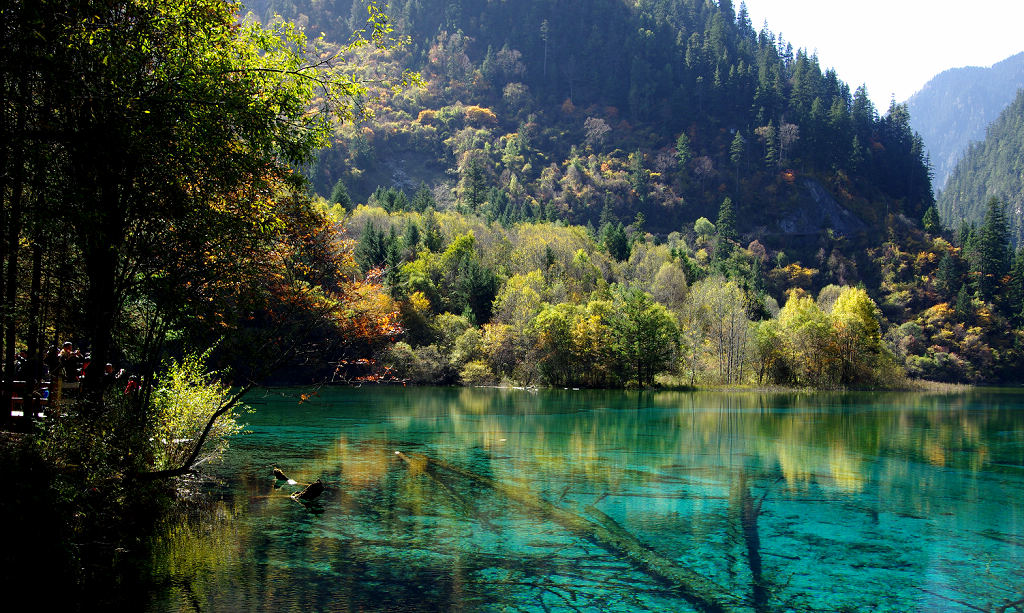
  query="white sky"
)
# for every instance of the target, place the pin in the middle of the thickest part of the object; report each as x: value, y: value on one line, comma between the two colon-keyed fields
x: 895, y: 46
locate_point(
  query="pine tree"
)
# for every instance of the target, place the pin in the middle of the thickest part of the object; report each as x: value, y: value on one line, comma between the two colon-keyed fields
x: 474, y: 185
x: 340, y: 196
x: 931, y: 222
x: 964, y: 308
x: 371, y: 250
x: 639, y: 176
x: 432, y: 238
x: 422, y: 199
x: 613, y: 237
x: 683, y: 152
x: 411, y: 236
x: 1015, y: 291
x: 949, y: 275
x: 993, y: 251
x: 726, y: 223
x: 736, y: 152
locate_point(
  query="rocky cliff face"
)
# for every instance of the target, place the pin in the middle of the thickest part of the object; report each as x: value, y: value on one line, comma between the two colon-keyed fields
x: 818, y: 211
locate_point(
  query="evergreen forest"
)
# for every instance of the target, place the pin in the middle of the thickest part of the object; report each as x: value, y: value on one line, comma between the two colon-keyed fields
x: 990, y: 168
x: 955, y: 107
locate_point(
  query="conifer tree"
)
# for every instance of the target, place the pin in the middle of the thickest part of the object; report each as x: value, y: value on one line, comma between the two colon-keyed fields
x: 340, y: 196
x: 726, y: 223
x: 613, y: 237
x: 949, y: 275
x: 683, y: 152
x: 1015, y: 291
x: 639, y: 176
x: 964, y: 309
x: 931, y: 221
x: 736, y: 152
x: 474, y: 185
x: 993, y: 254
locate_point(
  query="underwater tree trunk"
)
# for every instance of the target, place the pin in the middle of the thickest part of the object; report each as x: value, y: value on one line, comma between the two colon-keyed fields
x: 697, y: 589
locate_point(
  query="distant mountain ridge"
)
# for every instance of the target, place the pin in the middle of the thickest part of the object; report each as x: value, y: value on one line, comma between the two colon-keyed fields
x: 953, y: 109
x: 993, y: 167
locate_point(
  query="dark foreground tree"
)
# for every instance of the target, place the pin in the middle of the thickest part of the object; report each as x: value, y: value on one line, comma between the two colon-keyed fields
x: 147, y: 150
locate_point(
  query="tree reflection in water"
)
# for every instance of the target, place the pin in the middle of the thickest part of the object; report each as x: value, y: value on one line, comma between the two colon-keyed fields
x: 766, y: 501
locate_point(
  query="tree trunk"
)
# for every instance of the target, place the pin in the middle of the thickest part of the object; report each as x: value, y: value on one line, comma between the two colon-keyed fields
x: 101, y: 311
x: 11, y: 285
x: 34, y: 364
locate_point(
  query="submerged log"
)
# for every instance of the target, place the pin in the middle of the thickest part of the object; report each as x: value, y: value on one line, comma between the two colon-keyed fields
x: 697, y: 589
x: 311, y: 492
x: 420, y: 465
x: 748, y: 513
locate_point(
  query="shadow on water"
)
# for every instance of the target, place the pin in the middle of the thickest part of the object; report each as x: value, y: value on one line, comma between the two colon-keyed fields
x: 586, y: 500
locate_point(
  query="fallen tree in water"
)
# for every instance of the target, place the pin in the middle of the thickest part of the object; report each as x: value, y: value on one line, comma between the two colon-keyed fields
x: 698, y: 590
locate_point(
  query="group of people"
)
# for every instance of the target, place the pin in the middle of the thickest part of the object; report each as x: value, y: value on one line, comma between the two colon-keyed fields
x: 68, y: 364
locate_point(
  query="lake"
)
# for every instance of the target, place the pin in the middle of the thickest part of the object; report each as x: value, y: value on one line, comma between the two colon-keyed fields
x: 512, y: 500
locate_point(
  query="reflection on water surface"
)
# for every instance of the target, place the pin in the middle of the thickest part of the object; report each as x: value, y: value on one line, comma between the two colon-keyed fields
x: 609, y: 501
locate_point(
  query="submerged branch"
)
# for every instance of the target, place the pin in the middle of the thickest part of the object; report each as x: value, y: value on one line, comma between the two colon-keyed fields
x: 748, y: 515
x: 466, y: 505
x: 697, y: 589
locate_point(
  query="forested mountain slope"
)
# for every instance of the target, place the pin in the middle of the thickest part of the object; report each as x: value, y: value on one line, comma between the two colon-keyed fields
x: 992, y: 167
x: 954, y: 108
x: 663, y: 108
x: 571, y: 172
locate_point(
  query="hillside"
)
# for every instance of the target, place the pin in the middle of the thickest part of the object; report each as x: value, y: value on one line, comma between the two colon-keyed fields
x: 954, y: 108
x: 663, y: 108
x: 569, y: 169
x: 992, y: 167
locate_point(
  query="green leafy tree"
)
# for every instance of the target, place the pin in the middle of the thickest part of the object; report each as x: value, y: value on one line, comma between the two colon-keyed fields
x: 190, y: 403
x: 176, y: 126
x: 703, y: 227
x: 647, y: 336
x: 808, y: 334
x: 553, y: 328
x: 855, y: 321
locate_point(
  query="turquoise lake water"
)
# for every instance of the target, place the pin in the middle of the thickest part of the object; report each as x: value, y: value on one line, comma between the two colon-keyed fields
x: 510, y: 500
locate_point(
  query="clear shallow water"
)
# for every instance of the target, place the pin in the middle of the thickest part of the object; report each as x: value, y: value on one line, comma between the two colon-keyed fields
x: 601, y: 501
